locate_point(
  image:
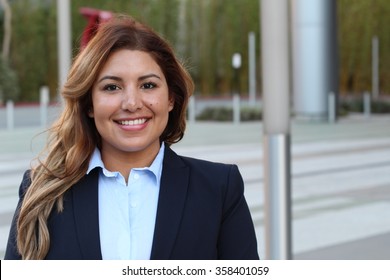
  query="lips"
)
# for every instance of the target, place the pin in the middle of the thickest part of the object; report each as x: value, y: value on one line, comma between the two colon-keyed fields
x: 132, y: 122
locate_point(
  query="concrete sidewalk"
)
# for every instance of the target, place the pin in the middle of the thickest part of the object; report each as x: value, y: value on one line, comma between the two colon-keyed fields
x: 340, y: 180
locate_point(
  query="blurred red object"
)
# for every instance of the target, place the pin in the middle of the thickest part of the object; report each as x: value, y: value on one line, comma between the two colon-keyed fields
x: 94, y: 17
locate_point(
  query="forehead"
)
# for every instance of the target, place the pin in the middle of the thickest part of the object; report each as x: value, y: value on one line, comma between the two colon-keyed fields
x: 126, y: 61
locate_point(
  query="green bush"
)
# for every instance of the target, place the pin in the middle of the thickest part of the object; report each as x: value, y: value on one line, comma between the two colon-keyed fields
x: 226, y: 114
x: 250, y: 114
x: 357, y: 106
x: 380, y: 107
x: 9, y: 89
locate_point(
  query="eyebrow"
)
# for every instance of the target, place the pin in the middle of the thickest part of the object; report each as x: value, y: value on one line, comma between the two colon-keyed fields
x: 149, y: 76
x: 141, y: 78
x: 115, y: 78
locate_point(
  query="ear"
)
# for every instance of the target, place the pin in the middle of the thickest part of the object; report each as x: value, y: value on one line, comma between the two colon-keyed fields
x: 171, y: 103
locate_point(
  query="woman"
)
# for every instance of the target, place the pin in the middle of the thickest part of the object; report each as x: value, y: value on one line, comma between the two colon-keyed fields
x: 109, y: 186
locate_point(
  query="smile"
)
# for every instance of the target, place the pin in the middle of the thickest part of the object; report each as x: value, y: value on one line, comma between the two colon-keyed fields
x: 132, y: 122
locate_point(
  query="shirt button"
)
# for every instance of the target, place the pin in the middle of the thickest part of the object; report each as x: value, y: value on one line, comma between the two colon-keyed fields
x: 136, y: 176
x: 133, y: 205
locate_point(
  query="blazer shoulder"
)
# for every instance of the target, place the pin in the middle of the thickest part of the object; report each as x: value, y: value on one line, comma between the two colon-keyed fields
x: 209, y: 173
x: 205, y: 163
x: 25, y: 184
x: 172, y: 157
x: 201, y: 166
x: 211, y: 168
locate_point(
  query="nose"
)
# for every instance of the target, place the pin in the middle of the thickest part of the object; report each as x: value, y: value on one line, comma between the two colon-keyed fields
x: 132, y: 100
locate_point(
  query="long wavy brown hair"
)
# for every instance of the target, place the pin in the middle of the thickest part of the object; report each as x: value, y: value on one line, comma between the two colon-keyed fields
x: 73, y: 137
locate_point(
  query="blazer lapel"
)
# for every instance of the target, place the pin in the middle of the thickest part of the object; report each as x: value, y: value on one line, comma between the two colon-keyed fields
x: 171, y: 202
x: 85, y: 203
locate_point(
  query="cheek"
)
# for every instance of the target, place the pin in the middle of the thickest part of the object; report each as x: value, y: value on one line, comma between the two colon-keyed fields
x: 105, y: 104
x: 102, y: 112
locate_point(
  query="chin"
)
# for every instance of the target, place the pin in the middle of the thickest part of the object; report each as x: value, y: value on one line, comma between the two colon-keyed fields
x: 134, y: 148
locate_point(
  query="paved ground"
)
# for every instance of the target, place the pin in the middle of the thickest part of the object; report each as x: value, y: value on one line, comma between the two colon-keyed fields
x: 340, y: 180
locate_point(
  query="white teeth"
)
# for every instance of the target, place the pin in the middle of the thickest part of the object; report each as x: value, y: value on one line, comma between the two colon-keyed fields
x: 133, y: 122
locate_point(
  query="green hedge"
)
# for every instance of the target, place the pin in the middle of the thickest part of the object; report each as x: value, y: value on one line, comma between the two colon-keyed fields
x: 226, y: 114
x: 357, y: 106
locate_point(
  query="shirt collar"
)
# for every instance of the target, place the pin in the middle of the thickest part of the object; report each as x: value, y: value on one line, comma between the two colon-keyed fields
x: 155, y: 167
x: 95, y: 161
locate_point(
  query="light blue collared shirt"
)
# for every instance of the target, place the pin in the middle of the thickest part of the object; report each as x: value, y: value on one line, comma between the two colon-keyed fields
x: 127, y: 212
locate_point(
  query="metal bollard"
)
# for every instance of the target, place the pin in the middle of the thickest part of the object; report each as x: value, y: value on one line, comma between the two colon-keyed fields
x: 43, y: 104
x: 331, y: 107
x: 10, y: 115
x: 367, y: 104
x: 191, y: 110
x: 236, y: 109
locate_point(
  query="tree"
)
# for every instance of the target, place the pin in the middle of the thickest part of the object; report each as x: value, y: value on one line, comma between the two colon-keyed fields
x: 9, y: 89
x: 7, y: 30
x: 205, y: 34
x: 8, y: 79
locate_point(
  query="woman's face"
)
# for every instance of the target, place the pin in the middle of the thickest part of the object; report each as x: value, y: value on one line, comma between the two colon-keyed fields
x: 131, y: 103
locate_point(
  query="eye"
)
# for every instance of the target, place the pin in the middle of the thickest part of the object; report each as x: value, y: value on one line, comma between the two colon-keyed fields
x: 110, y: 87
x: 148, y: 85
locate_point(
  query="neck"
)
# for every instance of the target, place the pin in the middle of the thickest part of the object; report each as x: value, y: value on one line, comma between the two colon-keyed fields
x: 123, y: 162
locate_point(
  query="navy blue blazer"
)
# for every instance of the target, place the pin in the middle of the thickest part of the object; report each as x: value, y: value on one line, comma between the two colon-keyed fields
x: 202, y: 214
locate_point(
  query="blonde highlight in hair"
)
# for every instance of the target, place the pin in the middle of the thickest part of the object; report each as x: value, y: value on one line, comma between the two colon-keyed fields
x: 73, y: 137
